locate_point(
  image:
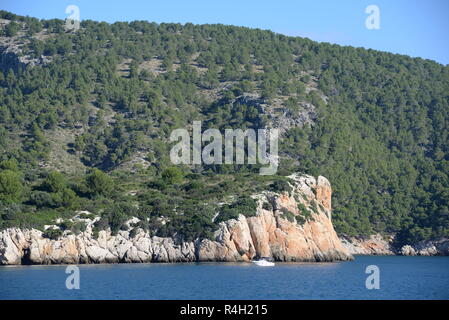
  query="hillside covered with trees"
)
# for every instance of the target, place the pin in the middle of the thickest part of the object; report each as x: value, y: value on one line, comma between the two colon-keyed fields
x: 85, y: 118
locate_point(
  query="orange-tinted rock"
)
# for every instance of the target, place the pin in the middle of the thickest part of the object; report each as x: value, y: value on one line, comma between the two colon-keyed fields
x: 272, y: 234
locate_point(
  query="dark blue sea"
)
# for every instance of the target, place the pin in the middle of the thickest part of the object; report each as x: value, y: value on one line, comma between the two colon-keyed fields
x: 399, y: 278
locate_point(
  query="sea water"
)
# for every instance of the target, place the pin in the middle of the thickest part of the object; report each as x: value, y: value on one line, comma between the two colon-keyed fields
x: 398, y: 278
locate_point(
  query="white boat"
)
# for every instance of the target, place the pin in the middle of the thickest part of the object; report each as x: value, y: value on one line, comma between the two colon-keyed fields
x: 264, y: 262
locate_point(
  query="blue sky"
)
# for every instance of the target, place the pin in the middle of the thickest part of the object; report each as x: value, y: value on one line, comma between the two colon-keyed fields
x: 412, y: 27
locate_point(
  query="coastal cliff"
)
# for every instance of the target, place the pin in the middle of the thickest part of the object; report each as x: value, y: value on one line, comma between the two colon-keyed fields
x: 372, y: 245
x: 378, y: 245
x: 288, y: 226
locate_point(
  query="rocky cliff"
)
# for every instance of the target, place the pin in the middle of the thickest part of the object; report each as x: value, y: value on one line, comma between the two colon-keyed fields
x: 438, y: 247
x: 372, y: 245
x: 378, y: 245
x: 292, y: 225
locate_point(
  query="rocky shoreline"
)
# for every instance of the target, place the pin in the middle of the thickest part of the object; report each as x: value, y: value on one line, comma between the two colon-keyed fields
x: 378, y: 245
x: 278, y: 230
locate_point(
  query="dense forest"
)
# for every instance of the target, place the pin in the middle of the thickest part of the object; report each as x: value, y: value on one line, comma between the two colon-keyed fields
x: 85, y: 117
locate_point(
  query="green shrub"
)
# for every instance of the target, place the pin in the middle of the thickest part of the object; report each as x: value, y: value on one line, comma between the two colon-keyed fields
x: 133, y: 232
x: 158, y: 184
x: 244, y: 205
x: 191, y: 225
x: 267, y: 206
x: 10, y: 186
x: 300, y: 220
x: 11, y: 164
x: 287, y: 214
x: 115, y: 215
x: 68, y: 198
x: 304, y: 212
x: 78, y: 227
x: 172, y: 175
x: 314, y: 207
x: 143, y: 224
x: 65, y: 198
x: 11, y: 29
x: 65, y: 225
x: 195, y: 186
x: 84, y: 215
x: 42, y: 199
x: 303, y: 209
x: 99, y: 183
x: 227, y: 213
x: 102, y: 223
x: 53, y: 234
x: 281, y: 186
x: 95, y: 232
x: 54, y: 182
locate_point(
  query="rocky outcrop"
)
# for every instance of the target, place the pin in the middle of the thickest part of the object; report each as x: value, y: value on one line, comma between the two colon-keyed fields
x: 378, y: 245
x: 30, y: 247
x: 278, y: 115
x: 271, y: 233
x: 12, y: 54
x: 288, y: 226
x: 372, y: 245
x: 427, y: 248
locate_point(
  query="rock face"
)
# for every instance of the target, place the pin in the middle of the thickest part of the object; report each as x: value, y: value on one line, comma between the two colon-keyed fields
x: 12, y: 53
x: 372, y: 245
x: 271, y: 234
x: 377, y: 245
x: 280, y: 229
x: 427, y: 248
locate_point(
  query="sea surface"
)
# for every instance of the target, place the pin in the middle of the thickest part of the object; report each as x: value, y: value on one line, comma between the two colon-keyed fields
x: 399, y: 278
